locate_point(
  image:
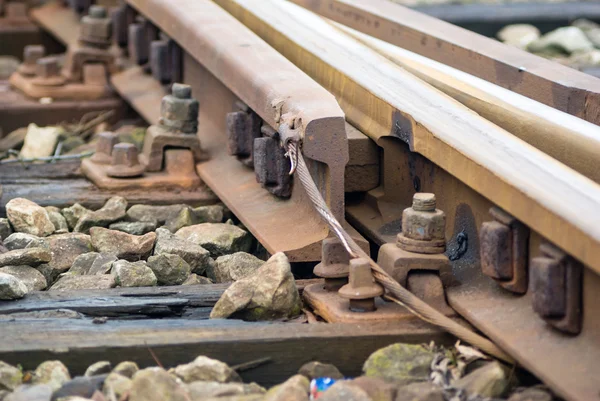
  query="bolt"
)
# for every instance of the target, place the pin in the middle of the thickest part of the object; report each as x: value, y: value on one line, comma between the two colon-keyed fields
x: 423, y: 226
x: 47, y: 67
x: 104, y: 148
x: 125, y: 162
x: 97, y: 12
x: 334, y: 264
x: 361, y: 289
x: 179, y: 110
x: 424, y: 202
x: 182, y: 91
x: 31, y: 54
x: 96, y: 28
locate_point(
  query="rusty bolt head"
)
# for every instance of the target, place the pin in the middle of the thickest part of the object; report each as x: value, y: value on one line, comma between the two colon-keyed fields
x: 423, y: 221
x: 97, y: 12
x: 334, y: 264
x: 180, y: 111
x: 423, y: 202
x: 361, y: 284
x: 125, y: 154
x: 96, y: 27
x: 181, y: 91
x: 47, y: 67
x: 31, y: 54
x: 104, y: 147
x: 125, y: 162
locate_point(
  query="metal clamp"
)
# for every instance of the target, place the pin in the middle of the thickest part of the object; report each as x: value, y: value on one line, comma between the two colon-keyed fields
x: 271, y: 166
x: 243, y: 127
x: 504, y: 251
x: 556, y: 285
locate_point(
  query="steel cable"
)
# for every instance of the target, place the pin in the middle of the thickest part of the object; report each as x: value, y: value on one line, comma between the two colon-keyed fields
x: 396, y: 292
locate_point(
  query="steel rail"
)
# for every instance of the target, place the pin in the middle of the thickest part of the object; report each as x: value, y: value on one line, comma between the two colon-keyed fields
x: 224, y: 60
x: 558, y: 86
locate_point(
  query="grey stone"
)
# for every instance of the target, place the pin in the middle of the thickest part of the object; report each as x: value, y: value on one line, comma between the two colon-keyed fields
x: 400, y: 363
x: 184, y: 218
x: 82, y: 263
x: 72, y: 282
x: 65, y: 249
x: 126, y: 368
x: 197, y: 257
x: 201, y: 390
x: 296, y: 388
x: 195, y: 279
x: 344, y: 391
x: 134, y: 227
x: 569, y: 39
x: 208, y: 214
x: 489, y: 381
x: 234, y: 267
x: 33, y: 279
x: 59, y: 221
x: 158, y: 214
x: 591, y: 30
x: 28, y: 256
x: 155, y: 384
x: 217, y: 238
x: 136, y: 274
x: 103, y: 264
x: 10, y: 377
x: 79, y: 388
x: 98, y: 368
x: 519, y: 35
x: 206, y: 369
x: 5, y: 228
x: 11, y: 287
x: 113, y: 210
x: 116, y: 384
x: 123, y: 245
x: 40, y: 392
x: 315, y: 369
x: 377, y: 389
x: 73, y: 213
x: 420, y: 392
x: 28, y: 217
x: 269, y: 294
x: 22, y: 241
x: 52, y: 373
x: 169, y: 269
x: 531, y: 394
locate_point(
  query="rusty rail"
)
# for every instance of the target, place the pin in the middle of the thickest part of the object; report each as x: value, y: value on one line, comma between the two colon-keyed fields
x: 225, y: 61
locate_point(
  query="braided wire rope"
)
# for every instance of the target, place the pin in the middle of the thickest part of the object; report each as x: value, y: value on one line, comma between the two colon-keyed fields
x: 395, y: 292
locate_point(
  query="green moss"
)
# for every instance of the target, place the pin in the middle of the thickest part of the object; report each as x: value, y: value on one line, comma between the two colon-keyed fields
x: 400, y: 363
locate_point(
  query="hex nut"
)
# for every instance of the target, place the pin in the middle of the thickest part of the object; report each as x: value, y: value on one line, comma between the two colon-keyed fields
x: 176, y: 107
x: 31, y: 54
x: 96, y: 30
x: 426, y: 223
x: 47, y: 67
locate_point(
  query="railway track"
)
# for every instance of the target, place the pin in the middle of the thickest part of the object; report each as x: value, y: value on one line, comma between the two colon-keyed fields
x: 506, y: 141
